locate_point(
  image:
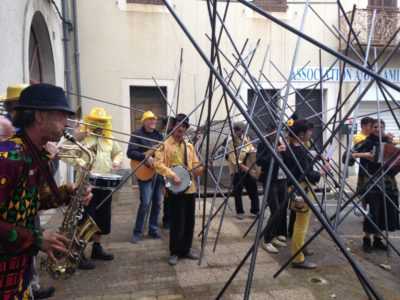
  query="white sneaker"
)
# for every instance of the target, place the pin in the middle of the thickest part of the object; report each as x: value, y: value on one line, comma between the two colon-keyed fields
x: 278, y: 243
x: 281, y: 238
x: 240, y: 216
x: 270, y: 248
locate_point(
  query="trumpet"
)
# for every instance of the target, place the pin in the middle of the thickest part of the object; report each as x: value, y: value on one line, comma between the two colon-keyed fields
x: 69, y: 151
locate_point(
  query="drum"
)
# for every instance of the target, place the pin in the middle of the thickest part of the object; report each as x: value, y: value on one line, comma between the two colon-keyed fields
x: 250, y: 162
x: 185, y: 177
x: 100, y: 181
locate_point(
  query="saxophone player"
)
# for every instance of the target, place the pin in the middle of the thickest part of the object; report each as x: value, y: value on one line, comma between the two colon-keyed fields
x: 27, y: 185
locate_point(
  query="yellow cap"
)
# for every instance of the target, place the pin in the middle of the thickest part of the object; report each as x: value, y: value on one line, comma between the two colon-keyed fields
x: 98, y: 114
x: 148, y: 114
x: 13, y: 92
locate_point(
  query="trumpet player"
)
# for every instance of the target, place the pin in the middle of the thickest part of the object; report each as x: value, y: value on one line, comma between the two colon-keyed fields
x: 97, y: 137
x: 27, y: 185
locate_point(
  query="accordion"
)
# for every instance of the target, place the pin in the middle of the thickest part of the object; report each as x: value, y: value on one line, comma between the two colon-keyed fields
x: 390, y: 157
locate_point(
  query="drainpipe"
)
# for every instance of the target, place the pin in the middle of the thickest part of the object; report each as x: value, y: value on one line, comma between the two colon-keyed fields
x: 67, y: 67
x: 76, y: 56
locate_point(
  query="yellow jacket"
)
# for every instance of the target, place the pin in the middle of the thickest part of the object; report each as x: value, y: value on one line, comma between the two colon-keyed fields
x: 163, y: 165
x: 359, y: 137
x: 233, y: 168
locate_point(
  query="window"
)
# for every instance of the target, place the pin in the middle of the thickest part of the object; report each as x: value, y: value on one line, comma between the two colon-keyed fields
x: 382, y: 4
x: 153, y: 2
x: 309, y: 106
x: 41, y: 62
x: 263, y: 115
x: 272, y: 5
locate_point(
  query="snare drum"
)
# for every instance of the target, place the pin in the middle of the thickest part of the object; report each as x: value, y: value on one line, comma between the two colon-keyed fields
x: 109, y: 181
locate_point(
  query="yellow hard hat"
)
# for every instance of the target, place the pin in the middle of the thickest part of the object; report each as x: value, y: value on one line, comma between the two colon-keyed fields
x: 148, y: 114
x: 98, y: 114
x: 13, y: 92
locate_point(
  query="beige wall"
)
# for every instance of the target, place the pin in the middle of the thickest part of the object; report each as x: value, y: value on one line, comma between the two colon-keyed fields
x: 126, y: 44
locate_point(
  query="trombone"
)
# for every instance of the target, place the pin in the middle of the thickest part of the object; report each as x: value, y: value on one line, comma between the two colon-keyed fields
x: 158, y: 145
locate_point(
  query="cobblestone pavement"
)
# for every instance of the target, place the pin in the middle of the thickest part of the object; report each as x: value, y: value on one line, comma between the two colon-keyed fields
x: 141, y: 271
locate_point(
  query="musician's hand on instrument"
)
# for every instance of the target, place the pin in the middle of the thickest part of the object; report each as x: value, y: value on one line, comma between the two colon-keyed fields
x: 367, y: 155
x: 149, y: 162
x: 243, y: 168
x: 88, y: 197
x: 325, y: 169
x: 81, y: 135
x: 389, y: 135
x: 117, y: 166
x: 54, y: 242
x: 71, y: 187
x: 176, y: 180
x: 52, y: 148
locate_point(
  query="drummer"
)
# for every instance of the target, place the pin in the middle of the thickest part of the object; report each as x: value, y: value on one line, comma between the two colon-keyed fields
x: 178, y: 152
x: 108, y: 159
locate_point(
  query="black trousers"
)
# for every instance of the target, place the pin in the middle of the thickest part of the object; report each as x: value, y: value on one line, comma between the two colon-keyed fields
x: 101, y: 216
x: 166, y: 208
x: 377, y: 212
x: 181, y: 223
x: 252, y: 190
x: 276, y: 196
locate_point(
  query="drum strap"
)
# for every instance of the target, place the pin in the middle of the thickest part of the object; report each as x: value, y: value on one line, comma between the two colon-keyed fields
x: 45, y: 171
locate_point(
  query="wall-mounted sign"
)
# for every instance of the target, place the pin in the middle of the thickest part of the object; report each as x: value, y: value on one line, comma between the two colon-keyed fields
x: 333, y: 75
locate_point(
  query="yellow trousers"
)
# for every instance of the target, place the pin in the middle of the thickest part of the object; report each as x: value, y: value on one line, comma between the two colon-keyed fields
x: 300, y: 230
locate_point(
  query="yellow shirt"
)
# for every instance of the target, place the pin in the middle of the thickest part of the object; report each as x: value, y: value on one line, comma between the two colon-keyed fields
x: 233, y: 168
x: 359, y: 137
x: 173, y: 155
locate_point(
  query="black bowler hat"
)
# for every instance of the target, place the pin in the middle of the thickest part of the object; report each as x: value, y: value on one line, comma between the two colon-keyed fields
x: 182, y: 117
x: 44, y: 96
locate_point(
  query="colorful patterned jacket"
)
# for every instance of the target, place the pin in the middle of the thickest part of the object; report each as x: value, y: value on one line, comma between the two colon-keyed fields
x: 23, y: 193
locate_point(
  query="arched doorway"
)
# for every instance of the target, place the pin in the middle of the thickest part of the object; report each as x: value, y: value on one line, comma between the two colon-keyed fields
x: 41, y: 61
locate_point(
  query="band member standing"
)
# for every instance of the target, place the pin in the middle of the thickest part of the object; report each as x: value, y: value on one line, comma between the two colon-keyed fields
x: 11, y: 99
x: 178, y: 152
x: 277, y: 194
x: 41, y: 115
x: 296, y: 155
x: 108, y: 158
x: 239, y: 171
x: 385, y: 190
x: 150, y: 190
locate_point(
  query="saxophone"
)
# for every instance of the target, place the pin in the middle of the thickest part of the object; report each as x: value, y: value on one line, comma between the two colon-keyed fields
x: 79, y: 235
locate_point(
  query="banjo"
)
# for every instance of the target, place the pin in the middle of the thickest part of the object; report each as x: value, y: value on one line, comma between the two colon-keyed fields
x: 186, y: 180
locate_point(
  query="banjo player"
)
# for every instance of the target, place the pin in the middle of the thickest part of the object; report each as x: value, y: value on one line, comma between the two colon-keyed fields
x: 179, y: 153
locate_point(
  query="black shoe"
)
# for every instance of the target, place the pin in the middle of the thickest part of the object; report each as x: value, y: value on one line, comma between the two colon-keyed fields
x: 378, y: 244
x: 304, y: 265
x: 155, y: 235
x: 86, y: 264
x: 307, y: 252
x: 192, y: 256
x: 99, y: 253
x: 367, y: 247
x: 173, y: 260
x: 43, y: 293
